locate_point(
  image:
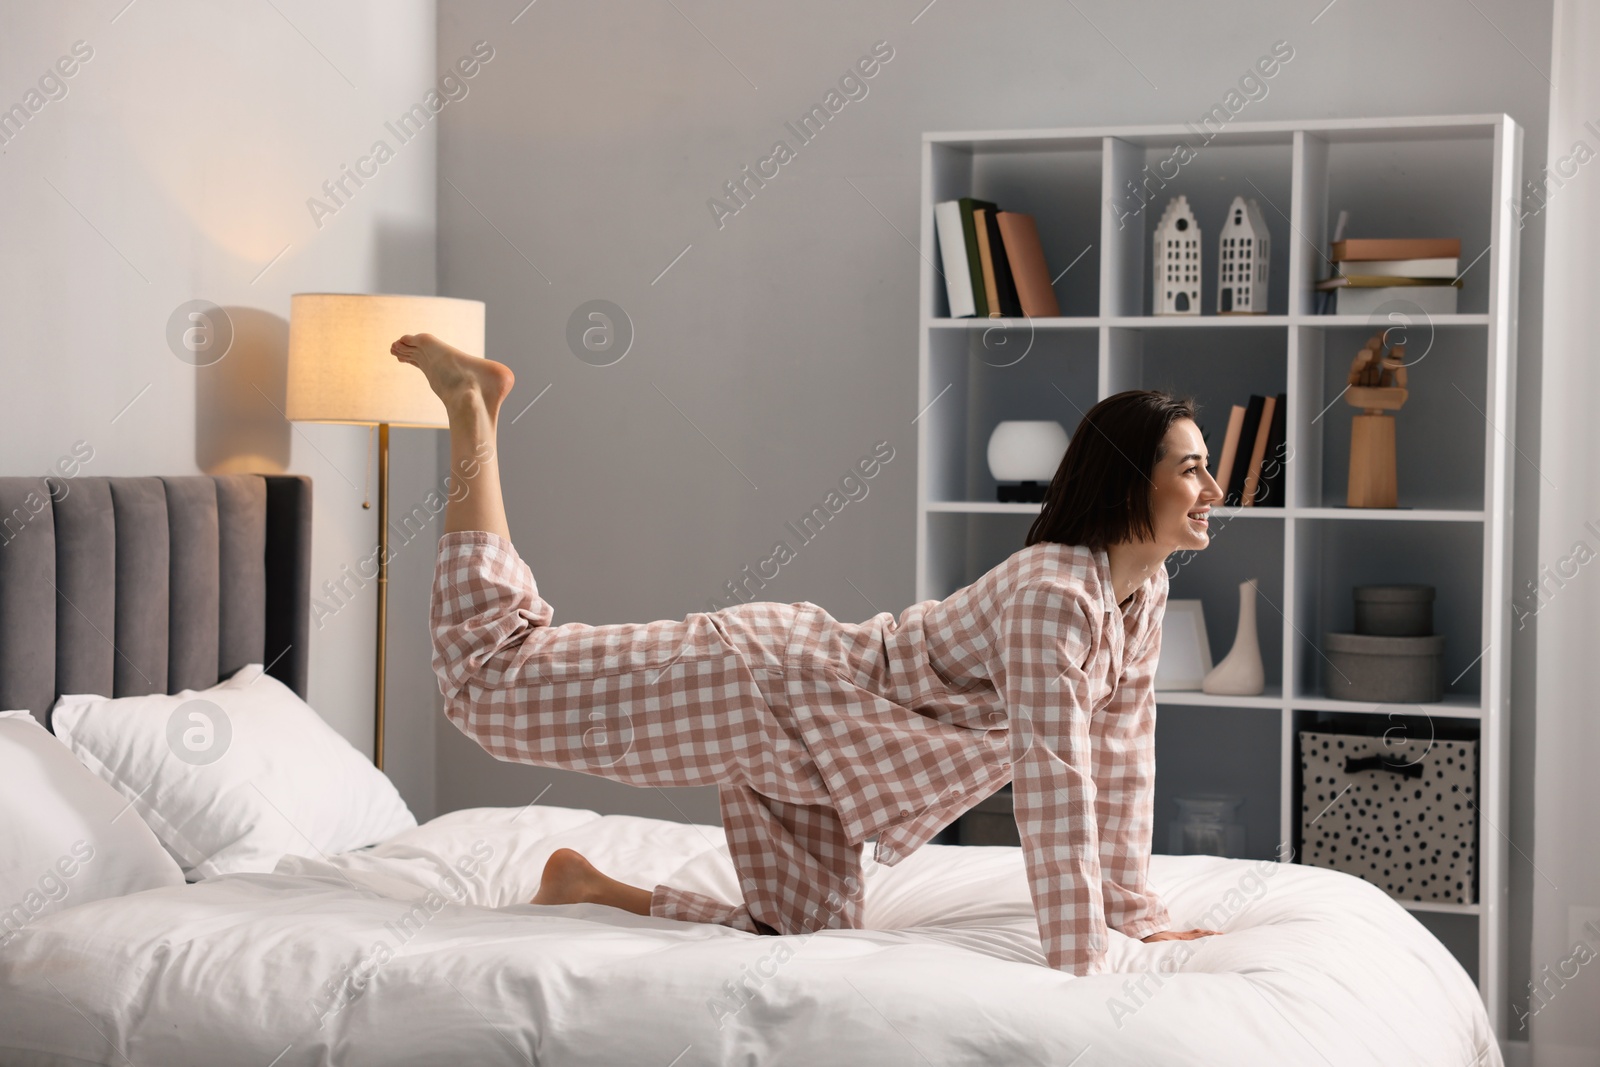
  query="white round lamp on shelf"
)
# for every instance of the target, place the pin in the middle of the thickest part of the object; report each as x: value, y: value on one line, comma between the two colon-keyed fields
x: 1027, y: 452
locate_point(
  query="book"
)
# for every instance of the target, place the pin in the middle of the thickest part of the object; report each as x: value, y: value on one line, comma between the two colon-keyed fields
x: 1269, y: 492
x: 1397, y: 248
x: 1252, y: 476
x: 991, y: 292
x: 1241, y: 456
x: 953, y: 256
x: 1005, y: 285
x: 1442, y: 267
x: 969, y: 234
x: 1427, y: 299
x: 1230, y: 448
x: 1026, y: 258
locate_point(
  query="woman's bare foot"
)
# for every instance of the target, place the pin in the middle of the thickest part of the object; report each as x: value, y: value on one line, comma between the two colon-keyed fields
x: 568, y: 879
x: 459, y: 379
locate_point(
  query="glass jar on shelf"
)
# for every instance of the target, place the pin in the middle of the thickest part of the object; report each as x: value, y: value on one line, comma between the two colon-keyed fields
x: 1207, y: 825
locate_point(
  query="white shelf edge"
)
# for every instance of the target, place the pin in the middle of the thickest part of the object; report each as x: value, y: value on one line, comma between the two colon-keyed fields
x: 1389, y: 514
x: 979, y: 507
x: 1063, y: 322
x: 1179, y: 322
x: 1453, y: 706
x: 1223, y: 515
x: 1194, y: 698
x: 1137, y: 322
x: 1441, y: 907
x: 987, y: 507
x: 1234, y: 131
x: 1464, y: 318
x: 1185, y: 322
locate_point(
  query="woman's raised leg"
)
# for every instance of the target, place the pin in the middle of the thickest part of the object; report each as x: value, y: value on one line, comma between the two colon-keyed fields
x: 472, y: 389
x: 649, y: 704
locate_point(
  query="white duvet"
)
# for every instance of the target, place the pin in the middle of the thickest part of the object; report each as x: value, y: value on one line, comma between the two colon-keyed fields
x: 423, y: 951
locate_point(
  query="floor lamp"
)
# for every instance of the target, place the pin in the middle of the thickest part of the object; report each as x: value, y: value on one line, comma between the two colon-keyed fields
x: 340, y: 370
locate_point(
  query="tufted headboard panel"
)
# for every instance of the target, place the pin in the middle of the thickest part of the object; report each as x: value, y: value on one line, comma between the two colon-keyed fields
x: 125, y: 586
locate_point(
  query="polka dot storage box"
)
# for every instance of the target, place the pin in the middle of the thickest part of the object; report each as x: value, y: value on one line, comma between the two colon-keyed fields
x: 1399, y: 813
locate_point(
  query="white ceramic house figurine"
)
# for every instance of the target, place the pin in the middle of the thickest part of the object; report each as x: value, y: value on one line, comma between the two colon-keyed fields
x: 1176, y: 266
x: 1244, y: 252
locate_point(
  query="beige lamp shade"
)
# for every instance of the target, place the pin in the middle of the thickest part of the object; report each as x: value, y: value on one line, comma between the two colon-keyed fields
x: 340, y: 367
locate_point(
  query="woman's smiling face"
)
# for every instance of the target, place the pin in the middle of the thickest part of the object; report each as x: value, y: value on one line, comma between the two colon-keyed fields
x: 1183, y: 491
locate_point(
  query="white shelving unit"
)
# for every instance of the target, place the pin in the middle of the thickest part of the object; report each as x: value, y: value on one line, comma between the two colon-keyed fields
x: 1431, y: 176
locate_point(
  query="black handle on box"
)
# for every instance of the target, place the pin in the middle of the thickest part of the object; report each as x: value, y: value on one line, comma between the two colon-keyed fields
x: 1378, y: 763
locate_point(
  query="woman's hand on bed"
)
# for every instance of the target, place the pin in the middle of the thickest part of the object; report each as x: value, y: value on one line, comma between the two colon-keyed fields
x: 1179, y: 935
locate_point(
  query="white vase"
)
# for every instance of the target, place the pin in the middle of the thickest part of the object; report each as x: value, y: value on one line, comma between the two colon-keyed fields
x: 1240, y: 673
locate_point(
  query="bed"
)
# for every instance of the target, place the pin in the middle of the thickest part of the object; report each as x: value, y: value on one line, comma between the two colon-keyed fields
x: 422, y: 948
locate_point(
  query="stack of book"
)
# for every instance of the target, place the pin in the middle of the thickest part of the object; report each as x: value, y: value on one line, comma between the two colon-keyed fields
x: 993, y: 264
x: 1250, y: 468
x: 1371, y: 272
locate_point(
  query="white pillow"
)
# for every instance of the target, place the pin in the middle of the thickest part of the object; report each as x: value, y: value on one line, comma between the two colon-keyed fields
x: 234, y: 777
x: 66, y: 838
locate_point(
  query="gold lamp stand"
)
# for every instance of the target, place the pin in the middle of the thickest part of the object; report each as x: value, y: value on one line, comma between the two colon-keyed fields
x: 380, y: 680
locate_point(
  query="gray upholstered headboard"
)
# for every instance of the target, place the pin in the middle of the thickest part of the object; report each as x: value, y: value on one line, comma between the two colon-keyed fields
x: 125, y: 586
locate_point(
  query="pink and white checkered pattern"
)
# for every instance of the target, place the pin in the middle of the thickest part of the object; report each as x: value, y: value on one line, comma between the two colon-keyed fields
x: 821, y: 735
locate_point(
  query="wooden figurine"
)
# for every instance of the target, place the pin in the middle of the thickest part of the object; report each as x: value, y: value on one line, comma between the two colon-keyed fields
x: 1377, y: 386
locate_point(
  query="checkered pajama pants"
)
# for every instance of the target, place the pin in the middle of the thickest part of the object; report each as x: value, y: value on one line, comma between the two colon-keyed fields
x: 797, y: 872
x: 699, y: 701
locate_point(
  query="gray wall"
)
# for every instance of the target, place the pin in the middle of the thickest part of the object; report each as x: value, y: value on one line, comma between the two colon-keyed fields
x: 784, y: 344
x: 175, y: 168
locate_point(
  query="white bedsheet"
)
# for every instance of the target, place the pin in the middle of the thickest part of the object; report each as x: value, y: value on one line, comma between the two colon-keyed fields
x: 286, y: 968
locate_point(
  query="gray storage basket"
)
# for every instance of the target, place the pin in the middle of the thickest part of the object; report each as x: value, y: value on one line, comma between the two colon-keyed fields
x: 1400, y: 670
x: 1394, y: 610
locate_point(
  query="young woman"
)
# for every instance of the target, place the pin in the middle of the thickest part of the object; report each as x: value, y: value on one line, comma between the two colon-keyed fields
x: 821, y: 735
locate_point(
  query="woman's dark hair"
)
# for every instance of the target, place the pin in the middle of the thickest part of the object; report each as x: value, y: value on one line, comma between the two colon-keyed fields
x: 1100, y: 494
